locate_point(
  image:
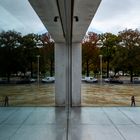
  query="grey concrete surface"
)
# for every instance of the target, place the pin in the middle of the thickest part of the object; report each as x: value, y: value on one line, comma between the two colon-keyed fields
x: 60, y: 74
x: 86, y: 123
x: 61, y: 29
x: 76, y: 73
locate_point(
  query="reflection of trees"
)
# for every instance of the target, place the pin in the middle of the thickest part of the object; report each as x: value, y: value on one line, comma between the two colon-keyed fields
x: 47, y: 53
x: 30, y: 51
x: 18, y: 54
x: 9, y: 42
x: 120, y: 52
x: 47, y: 59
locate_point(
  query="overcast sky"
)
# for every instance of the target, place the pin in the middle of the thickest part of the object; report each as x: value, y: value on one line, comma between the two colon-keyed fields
x: 116, y: 15
x: 18, y: 15
x: 112, y: 16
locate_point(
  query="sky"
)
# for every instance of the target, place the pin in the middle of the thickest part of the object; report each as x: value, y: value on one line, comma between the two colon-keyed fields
x: 116, y: 15
x: 18, y: 15
x: 111, y: 16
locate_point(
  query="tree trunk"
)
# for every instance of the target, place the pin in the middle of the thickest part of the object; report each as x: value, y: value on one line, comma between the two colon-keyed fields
x: 131, y: 76
x: 108, y: 68
x: 31, y: 69
x: 87, y: 69
x: 51, y: 68
x: 8, y: 77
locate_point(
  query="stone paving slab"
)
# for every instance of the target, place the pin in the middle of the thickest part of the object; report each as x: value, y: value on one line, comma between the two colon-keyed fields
x: 40, y: 132
x: 88, y: 115
x: 86, y: 123
x: 130, y: 132
x: 95, y: 132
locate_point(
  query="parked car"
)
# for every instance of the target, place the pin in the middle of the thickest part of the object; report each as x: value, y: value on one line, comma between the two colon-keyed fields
x: 136, y: 80
x: 91, y: 80
x: 113, y: 81
x: 48, y: 80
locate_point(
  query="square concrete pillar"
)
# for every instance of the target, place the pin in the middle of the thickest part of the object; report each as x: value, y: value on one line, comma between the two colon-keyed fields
x: 60, y: 74
x: 68, y: 74
x: 76, y: 74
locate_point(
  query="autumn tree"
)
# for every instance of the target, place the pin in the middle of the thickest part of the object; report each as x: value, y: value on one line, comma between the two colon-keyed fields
x: 30, y: 51
x: 118, y: 60
x: 9, y: 42
x: 108, y: 43
x: 90, y: 53
x: 47, y: 53
x: 130, y: 41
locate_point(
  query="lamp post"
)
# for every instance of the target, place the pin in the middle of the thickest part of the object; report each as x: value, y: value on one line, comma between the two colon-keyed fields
x: 101, y: 68
x: 38, y: 56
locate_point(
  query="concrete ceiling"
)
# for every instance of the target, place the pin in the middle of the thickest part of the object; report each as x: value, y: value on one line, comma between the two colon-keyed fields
x: 73, y: 17
x: 85, y: 10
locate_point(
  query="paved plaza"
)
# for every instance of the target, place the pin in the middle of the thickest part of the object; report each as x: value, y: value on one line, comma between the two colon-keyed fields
x: 86, y: 123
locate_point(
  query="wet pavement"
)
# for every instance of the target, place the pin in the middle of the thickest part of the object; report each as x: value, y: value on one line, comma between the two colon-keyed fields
x: 86, y: 123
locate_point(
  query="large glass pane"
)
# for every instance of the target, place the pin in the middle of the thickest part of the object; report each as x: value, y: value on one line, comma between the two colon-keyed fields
x: 27, y: 69
x: 110, y: 71
x: 27, y: 77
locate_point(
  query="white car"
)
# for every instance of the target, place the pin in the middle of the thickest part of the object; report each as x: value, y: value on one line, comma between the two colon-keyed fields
x: 48, y: 80
x: 91, y: 80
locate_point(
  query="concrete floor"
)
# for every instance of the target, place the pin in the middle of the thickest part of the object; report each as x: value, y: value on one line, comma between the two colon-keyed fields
x: 86, y: 123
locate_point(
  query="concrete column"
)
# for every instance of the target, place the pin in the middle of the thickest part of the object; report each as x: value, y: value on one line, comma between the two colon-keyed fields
x: 76, y: 74
x: 67, y: 74
x: 60, y: 74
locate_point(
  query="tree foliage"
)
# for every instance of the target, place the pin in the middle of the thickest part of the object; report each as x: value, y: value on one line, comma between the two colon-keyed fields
x: 19, y: 53
x: 90, y: 53
x: 120, y: 52
x: 9, y: 41
x: 108, y: 44
x: 130, y: 43
x: 47, y: 53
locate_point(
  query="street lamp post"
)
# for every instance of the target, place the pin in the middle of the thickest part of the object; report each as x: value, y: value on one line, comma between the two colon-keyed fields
x: 101, y: 68
x: 38, y: 56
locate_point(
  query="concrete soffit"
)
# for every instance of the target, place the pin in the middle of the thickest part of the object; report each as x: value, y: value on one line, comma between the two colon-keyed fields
x: 84, y: 11
x: 66, y: 20
x: 48, y: 12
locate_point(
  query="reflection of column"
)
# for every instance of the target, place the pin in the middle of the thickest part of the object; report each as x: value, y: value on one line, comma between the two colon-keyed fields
x: 38, y: 69
x: 60, y: 74
x: 76, y: 74
x: 100, y: 69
